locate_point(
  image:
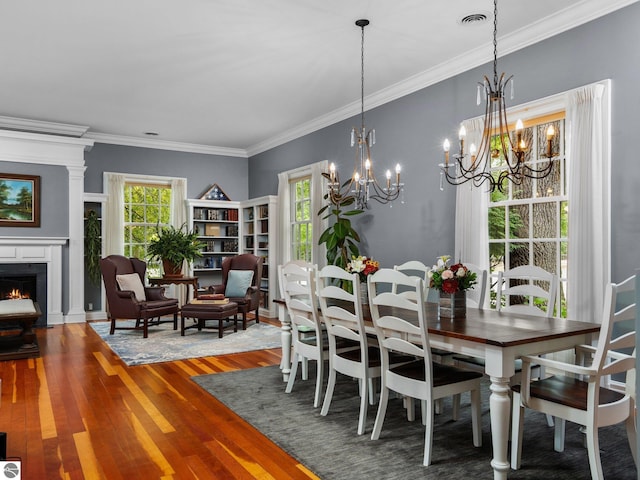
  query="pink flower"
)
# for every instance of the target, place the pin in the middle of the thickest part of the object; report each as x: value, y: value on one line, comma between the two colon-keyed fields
x: 447, y: 274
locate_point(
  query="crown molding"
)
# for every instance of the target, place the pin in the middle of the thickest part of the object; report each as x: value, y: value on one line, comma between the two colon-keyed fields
x: 39, y: 126
x: 560, y: 22
x: 166, y: 145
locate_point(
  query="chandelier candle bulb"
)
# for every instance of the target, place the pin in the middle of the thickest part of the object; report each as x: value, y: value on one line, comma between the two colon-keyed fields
x: 551, y: 132
x: 461, y: 134
x: 472, y: 151
x: 332, y: 172
x: 446, y: 146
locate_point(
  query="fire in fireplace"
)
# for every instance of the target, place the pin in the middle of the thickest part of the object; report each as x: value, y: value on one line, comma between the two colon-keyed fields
x: 25, y: 280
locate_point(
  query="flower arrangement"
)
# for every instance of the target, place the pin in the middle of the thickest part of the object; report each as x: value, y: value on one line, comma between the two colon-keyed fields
x: 451, y: 279
x: 363, y: 266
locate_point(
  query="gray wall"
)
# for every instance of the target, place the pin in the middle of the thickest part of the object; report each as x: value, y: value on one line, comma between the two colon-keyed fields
x: 411, y: 130
x: 54, y: 200
x: 200, y: 170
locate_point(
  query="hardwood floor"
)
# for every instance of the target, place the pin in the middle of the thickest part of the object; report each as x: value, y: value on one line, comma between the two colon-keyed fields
x: 79, y: 412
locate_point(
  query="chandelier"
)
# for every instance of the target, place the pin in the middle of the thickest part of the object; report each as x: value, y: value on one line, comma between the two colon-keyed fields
x: 363, y: 185
x: 496, y: 140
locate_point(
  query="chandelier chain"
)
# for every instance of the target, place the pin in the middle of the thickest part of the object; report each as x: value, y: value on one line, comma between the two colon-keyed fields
x: 362, y: 76
x: 495, y: 42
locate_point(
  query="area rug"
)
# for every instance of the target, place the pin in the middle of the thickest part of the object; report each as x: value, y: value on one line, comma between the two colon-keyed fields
x: 330, y: 447
x: 165, y: 344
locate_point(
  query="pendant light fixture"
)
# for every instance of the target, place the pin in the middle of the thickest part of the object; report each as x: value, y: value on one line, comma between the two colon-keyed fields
x: 363, y: 184
x: 498, y: 146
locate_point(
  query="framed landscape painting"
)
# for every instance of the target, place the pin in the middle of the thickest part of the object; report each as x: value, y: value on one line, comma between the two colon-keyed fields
x: 19, y: 200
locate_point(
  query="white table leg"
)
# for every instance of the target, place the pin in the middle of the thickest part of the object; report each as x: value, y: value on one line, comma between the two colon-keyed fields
x: 500, y: 411
x: 285, y: 339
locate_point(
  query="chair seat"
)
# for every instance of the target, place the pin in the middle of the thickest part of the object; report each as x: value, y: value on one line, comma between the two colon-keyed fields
x: 153, y: 304
x: 374, y: 357
x: 442, y: 374
x: 568, y: 391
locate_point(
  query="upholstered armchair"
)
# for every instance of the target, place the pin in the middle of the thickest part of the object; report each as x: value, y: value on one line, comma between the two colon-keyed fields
x: 129, y: 299
x: 239, y: 285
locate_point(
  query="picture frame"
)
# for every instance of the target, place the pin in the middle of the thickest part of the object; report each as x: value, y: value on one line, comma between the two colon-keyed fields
x: 19, y: 200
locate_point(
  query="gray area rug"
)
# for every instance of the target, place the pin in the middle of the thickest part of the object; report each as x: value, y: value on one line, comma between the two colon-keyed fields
x: 330, y: 447
x: 165, y: 344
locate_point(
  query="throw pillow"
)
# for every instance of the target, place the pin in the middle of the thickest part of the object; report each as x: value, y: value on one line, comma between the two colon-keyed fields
x: 131, y: 281
x: 237, y: 283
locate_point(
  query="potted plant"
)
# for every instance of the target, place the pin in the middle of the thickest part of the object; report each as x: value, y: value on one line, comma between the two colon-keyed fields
x: 92, y: 246
x: 340, y: 237
x: 173, y: 246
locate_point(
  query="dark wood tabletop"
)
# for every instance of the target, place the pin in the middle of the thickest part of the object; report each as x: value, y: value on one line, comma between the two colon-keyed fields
x: 491, y: 327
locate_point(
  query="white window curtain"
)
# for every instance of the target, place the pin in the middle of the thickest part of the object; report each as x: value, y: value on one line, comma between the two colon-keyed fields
x: 114, y: 214
x: 588, y: 186
x: 472, y: 203
x: 284, y: 206
x: 178, y: 201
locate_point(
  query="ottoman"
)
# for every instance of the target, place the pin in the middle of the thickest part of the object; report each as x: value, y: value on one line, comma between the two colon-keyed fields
x: 208, y: 311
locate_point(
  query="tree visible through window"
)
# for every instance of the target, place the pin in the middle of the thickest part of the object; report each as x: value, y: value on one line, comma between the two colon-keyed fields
x: 528, y: 223
x: 301, y: 228
x: 145, y: 208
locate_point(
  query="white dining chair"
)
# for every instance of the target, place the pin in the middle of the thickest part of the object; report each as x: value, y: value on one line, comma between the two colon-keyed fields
x: 576, y: 392
x: 413, y: 268
x: 298, y: 288
x: 342, y: 312
x: 421, y: 379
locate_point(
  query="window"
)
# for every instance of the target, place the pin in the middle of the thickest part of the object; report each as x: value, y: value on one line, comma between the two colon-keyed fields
x: 146, y: 206
x: 300, y: 193
x: 528, y: 222
x: 301, y: 226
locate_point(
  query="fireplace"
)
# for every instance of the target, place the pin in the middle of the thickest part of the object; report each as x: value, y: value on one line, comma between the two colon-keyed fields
x: 25, y: 280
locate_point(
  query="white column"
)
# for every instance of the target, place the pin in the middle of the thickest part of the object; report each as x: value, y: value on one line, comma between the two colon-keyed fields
x: 75, y: 292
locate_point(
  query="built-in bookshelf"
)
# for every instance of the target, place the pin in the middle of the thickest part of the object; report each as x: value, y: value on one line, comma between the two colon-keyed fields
x: 228, y: 228
x: 217, y: 224
x: 259, y: 234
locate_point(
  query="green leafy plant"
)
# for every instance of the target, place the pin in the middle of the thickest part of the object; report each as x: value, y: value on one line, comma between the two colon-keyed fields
x: 340, y: 237
x: 92, y: 246
x: 174, y: 245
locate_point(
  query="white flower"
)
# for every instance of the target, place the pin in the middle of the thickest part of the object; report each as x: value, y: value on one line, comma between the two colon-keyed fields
x: 447, y: 274
x: 461, y: 272
x: 442, y: 260
x: 357, y: 264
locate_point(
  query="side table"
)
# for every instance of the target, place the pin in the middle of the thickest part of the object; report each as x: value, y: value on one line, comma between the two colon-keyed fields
x: 193, y: 281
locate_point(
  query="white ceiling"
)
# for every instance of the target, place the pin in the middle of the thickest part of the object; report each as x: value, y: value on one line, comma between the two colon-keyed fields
x: 241, y: 76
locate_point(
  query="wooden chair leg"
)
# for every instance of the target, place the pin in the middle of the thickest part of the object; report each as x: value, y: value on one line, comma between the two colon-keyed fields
x: 257, y: 317
x: 113, y: 326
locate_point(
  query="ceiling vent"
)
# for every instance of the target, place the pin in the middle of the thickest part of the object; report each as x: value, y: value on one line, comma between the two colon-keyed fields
x: 473, y: 19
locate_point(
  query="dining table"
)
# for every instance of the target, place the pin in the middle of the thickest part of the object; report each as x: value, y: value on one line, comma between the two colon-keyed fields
x: 498, y: 337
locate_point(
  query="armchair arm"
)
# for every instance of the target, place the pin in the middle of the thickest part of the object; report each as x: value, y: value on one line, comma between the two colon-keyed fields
x: 527, y: 360
x: 155, y: 293
x: 217, y: 288
x: 126, y: 294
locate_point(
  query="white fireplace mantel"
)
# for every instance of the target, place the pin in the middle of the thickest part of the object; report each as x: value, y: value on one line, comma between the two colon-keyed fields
x: 39, y: 250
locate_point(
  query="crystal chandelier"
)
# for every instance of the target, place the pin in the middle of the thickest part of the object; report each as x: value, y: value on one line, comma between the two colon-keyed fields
x: 363, y: 184
x: 476, y: 165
